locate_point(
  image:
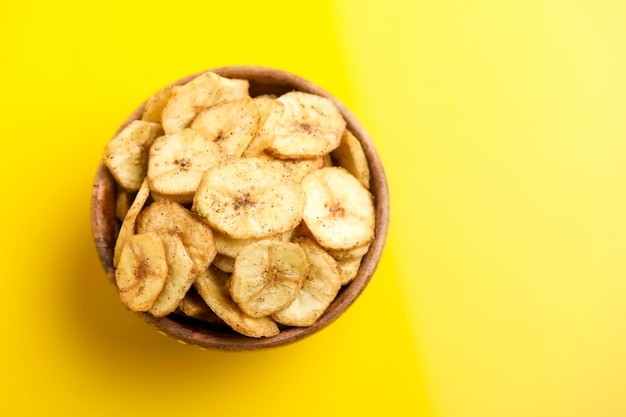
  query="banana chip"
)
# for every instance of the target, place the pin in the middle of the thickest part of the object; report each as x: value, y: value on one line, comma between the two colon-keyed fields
x: 126, y: 155
x: 310, y: 126
x: 267, y: 276
x: 224, y: 263
x: 318, y: 290
x: 230, y: 246
x: 349, y: 269
x: 350, y: 155
x: 231, y: 89
x: 192, y: 305
x: 123, y: 201
x: 128, y: 225
x: 270, y: 111
x: 248, y: 198
x: 177, y: 163
x: 189, y: 248
x: 181, y: 275
x: 296, y: 169
x: 204, y: 91
x: 142, y: 271
x: 357, y: 252
x: 210, y: 285
x: 339, y: 211
x: 231, y: 125
x: 166, y: 217
x: 156, y: 103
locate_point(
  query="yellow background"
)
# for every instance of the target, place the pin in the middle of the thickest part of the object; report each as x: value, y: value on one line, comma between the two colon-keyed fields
x: 502, y: 125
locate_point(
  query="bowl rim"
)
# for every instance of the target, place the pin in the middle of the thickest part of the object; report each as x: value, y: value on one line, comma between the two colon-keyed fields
x: 186, y: 331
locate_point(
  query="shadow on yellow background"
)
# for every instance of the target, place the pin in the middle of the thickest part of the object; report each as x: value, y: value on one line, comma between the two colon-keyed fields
x: 94, y: 340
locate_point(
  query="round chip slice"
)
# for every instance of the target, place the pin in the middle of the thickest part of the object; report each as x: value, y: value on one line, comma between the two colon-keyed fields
x: 142, y: 271
x: 310, y: 126
x: 296, y: 169
x: 350, y: 155
x: 129, y: 224
x: 230, y: 246
x: 123, y: 201
x: 186, y: 100
x: 177, y: 162
x: 181, y: 275
x: 192, y: 305
x: 349, y: 269
x: 126, y: 155
x: 166, y: 217
x: 270, y: 111
x: 189, y: 247
x: 231, y: 125
x: 318, y: 290
x: 339, y: 211
x: 248, y: 198
x: 204, y: 91
x: 267, y: 275
x: 156, y: 103
x: 357, y: 252
x: 224, y: 263
x: 210, y: 285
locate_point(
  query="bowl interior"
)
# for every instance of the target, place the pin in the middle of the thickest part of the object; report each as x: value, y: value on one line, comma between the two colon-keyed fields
x: 105, y: 225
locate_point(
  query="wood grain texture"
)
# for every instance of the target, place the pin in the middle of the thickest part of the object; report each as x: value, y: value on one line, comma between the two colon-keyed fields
x: 105, y: 226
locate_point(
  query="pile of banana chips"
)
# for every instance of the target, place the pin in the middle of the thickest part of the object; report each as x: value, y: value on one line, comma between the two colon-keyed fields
x: 247, y: 212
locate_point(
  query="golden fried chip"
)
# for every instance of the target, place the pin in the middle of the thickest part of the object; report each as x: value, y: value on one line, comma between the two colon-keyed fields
x: 349, y: 269
x: 270, y: 111
x: 142, y: 271
x: 123, y: 201
x: 128, y: 225
x: 230, y: 246
x: 181, y: 275
x: 166, y: 217
x: 126, y: 155
x: 210, y: 285
x: 357, y: 252
x: 310, y: 126
x: 224, y: 263
x: 296, y: 169
x: 204, y: 91
x: 230, y: 89
x: 318, y: 290
x: 187, y: 100
x: 350, y: 155
x: 192, y: 305
x: 178, y: 161
x: 339, y: 211
x: 267, y: 275
x: 231, y: 125
x: 248, y: 198
x: 156, y: 103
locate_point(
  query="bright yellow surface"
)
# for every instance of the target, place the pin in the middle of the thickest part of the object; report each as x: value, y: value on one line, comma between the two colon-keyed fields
x: 502, y: 125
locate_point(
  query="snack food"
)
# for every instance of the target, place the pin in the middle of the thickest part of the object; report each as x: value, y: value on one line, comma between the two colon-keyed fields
x: 339, y: 211
x: 249, y: 205
x: 267, y: 276
x: 248, y: 198
x: 126, y: 155
x: 142, y: 271
x: 177, y: 162
x: 318, y: 289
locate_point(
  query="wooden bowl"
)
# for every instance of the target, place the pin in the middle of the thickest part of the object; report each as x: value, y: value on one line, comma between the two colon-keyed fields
x: 105, y: 225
